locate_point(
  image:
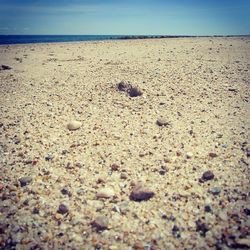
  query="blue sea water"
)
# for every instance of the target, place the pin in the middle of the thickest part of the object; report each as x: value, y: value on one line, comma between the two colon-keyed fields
x: 22, y: 39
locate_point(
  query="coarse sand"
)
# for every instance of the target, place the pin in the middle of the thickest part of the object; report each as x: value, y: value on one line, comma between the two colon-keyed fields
x: 131, y: 144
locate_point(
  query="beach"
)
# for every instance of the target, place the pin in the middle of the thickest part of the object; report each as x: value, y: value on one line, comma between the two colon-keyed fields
x: 127, y: 144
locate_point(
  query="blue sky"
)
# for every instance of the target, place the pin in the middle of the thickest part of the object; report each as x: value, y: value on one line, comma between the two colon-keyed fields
x: 170, y: 17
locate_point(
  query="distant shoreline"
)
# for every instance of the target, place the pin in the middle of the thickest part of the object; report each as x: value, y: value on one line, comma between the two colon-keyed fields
x: 33, y: 39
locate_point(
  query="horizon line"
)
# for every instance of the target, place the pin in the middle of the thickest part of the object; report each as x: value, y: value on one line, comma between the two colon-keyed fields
x: 122, y: 35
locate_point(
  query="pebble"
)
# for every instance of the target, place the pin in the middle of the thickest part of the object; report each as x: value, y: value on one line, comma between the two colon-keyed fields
x: 123, y: 176
x: 74, y: 125
x: 163, y: 170
x: 162, y: 122
x: 115, y: 167
x: 63, y: 209
x: 25, y: 180
x: 49, y: 157
x: 124, y: 207
x: 105, y: 193
x: 208, y: 208
x: 100, y: 223
x: 134, y: 92
x: 212, y: 155
x: 215, y: 190
x: 222, y: 215
x: 35, y: 210
x: 5, y: 67
x: 201, y: 227
x: 65, y: 151
x: 176, y: 231
x: 245, y: 243
x: 66, y: 191
x: 141, y: 193
x: 208, y: 175
x: 189, y: 155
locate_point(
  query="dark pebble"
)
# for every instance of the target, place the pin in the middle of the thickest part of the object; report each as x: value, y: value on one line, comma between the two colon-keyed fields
x: 247, y: 211
x: 66, y: 191
x: 176, y: 231
x: 5, y: 67
x: 134, y: 92
x: 49, y: 157
x: 208, y: 209
x: 201, y: 227
x: 213, y: 155
x: 36, y: 210
x: 141, y: 193
x: 25, y: 181
x: 207, y: 176
x: 115, y: 167
x: 63, y: 209
x: 163, y: 170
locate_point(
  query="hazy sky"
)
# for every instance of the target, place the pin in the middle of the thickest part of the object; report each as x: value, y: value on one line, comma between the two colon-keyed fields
x: 173, y: 17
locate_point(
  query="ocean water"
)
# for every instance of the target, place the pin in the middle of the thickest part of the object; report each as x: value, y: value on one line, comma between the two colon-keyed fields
x: 22, y: 39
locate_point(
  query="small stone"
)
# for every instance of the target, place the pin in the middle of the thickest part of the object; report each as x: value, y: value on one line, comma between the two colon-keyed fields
x: 115, y: 167
x: 66, y: 191
x: 212, y: 155
x: 176, y: 231
x: 80, y: 191
x: 208, y: 175
x: 201, y: 227
x: 105, y: 193
x: 208, y: 208
x: 247, y: 211
x: 124, y: 207
x: 223, y: 215
x: 63, y: 209
x: 74, y: 125
x: 36, y: 210
x: 141, y: 193
x: 243, y: 243
x: 58, y: 216
x: 25, y: 180
x: 189, y: 155
x: 162, y: 122
x: 215, y: 190
x: 5, y: 67
x: 100, y: 223
x: 122, y: 86
x: 134, y: 92
x: 49, y: 157
x: 65, y: 151
x: 123, y: 176
x: 163, y: 170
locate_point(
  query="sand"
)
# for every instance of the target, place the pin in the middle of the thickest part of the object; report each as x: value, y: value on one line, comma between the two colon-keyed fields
x: 182, y: 146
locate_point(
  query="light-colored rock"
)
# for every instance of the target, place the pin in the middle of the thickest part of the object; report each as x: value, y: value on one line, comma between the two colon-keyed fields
x: 74, y: 125
x: 100, y: 223
x: 105, y: 193
x: 189, y: 155
x: 162, y: 122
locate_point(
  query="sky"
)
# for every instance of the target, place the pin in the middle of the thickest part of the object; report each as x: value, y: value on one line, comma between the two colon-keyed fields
x: 120, y: 17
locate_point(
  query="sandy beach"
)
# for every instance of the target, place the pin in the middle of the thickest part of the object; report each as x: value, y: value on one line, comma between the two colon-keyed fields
x: 127, y: 144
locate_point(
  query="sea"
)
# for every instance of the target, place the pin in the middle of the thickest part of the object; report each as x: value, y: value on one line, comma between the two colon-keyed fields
x: 23, y: 39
